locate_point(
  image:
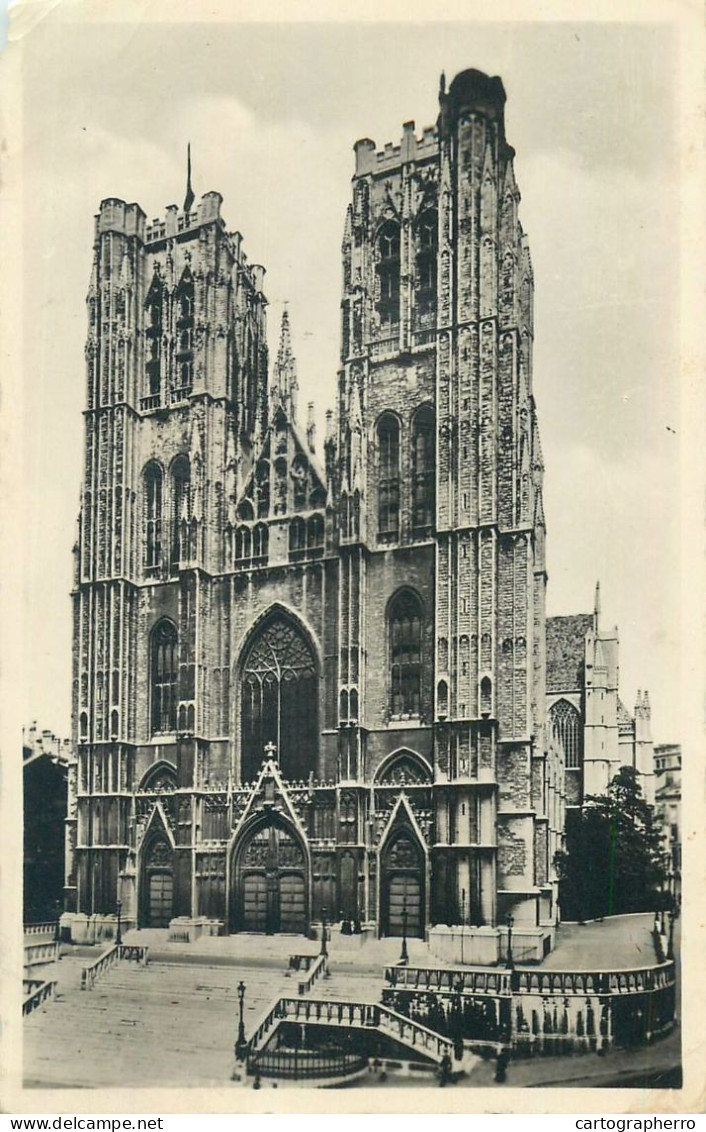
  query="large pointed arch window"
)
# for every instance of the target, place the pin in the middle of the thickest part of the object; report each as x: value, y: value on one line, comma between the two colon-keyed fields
x: 405, y: 634
x: 181, y: 483
x: 388, y: 270
x: 423, y: 459
x: 567, y: 723
x: 153, y: 517
x: 163, y: 670
x: 279, y: 700
x: 388, y: 436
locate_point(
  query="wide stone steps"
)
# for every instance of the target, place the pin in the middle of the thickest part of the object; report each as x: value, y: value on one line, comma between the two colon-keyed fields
x: 156, y: 1025
x: 350, y: 985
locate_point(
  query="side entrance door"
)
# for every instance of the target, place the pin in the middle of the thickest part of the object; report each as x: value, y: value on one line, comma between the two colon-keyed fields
x: 161, y: 899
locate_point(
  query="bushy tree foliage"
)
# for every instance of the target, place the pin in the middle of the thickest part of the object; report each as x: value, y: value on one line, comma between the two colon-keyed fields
x: 612, y: 862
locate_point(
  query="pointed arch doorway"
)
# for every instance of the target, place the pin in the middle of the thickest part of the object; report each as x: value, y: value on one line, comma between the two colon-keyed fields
x: 157, y: 888
x: 402, y: 886
x: 270, y: 881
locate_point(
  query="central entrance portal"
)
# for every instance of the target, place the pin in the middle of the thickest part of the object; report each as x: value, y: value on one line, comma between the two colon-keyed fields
x: 270, y: 883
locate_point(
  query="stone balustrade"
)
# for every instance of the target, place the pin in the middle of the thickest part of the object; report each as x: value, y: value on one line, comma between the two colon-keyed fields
x: 538, y: 1011
x: 353, y: 1015
x: 47, y: 929
x: 40, y: 953
x: 38, y: 995
x: 104, y: 962
x: 316, y: 970
x: 470, y: 980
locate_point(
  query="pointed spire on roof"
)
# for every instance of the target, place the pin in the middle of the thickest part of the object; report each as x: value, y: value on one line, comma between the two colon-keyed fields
x: 284, y: 383
x: 311, y: 428
x: 597, y: 606
x: 189, y: 198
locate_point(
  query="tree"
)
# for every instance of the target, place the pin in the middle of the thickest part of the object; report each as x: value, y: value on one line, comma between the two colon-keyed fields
x: 612, y: 862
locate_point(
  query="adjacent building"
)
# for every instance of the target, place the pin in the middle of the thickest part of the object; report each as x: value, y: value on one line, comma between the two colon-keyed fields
x: 45, y: 763
x: 667, y: 775
x: 590, y: 722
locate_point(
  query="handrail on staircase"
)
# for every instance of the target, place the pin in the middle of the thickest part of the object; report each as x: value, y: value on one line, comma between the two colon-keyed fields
x: 363, y: 1015
x: 108, y: 959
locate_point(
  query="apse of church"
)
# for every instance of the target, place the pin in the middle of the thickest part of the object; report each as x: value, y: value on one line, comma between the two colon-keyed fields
x: 312, y: 686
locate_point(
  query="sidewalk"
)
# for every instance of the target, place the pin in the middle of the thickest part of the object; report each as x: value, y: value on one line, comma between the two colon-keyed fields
x: 654, y: 1066
x: 616, y: 943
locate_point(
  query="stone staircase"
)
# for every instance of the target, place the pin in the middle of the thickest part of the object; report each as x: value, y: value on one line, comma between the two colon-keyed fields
x: 145, y: 1026
x: 175, y: 1021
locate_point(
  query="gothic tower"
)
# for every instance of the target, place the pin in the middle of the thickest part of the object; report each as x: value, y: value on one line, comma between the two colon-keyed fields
x: 436, y: 383
x: 176, y: 363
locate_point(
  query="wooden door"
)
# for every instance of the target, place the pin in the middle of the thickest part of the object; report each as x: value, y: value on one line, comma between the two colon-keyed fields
x: 271, y: 883
x: 405, y: 892
x: 292, y: 903
x: 402, y: 886
x: 255, y: 902
x: 161, y: 899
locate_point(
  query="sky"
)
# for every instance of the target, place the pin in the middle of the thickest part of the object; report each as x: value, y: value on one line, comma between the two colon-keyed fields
x: 272, y: 112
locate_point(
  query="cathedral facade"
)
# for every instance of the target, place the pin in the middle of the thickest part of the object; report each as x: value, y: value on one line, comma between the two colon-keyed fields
x: 305, y: 687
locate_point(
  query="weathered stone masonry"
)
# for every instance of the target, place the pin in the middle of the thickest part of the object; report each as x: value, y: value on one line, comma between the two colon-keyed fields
x: 305, y: 686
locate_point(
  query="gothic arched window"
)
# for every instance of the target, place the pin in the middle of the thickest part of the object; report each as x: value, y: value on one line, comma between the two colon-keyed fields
x: 297, y: 537
x: 243, y: 543
x: 388, y: 433
x: 279, y: 700
x: 315, y: 532
x: 426, y: 253
x: 263, y: 489
x: 388, y: 269
x: 153, y: 336
x: 260, y: 542
x: 423, y: 463
x: 181, y: 483
x: 153, y: 516
x: 163, y: 669
x: 185, y: 335
x: 405, y: 634
x: 567, y: 722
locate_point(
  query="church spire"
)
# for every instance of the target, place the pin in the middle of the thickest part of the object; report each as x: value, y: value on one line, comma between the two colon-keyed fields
x: 189, y: 198
x: 284, y: 384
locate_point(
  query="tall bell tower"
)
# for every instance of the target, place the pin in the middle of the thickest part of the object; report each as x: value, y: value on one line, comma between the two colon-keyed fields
x: 490, y: 568
x: 177, y: 400
x: 440, y: 479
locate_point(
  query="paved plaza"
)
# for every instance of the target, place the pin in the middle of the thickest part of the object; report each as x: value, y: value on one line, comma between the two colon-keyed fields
x: 613, y: 944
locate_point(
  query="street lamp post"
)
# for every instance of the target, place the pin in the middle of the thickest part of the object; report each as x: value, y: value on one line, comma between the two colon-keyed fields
x: 458, y: 1028
x: 510, y: 921
x: 404, y: 954
x: 57, y: 928
x: 672, y: 917
x: 324, y: 950
x: 241, y: 1045
x: 118, y: 930
x: 463, y: 918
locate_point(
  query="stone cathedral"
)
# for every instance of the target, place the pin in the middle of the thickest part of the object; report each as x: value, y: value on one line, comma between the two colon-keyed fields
x: 309, y: 686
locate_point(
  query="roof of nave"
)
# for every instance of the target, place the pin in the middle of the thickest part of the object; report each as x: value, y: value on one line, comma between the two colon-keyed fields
x: 566, y: 650
x: 624, y: 717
